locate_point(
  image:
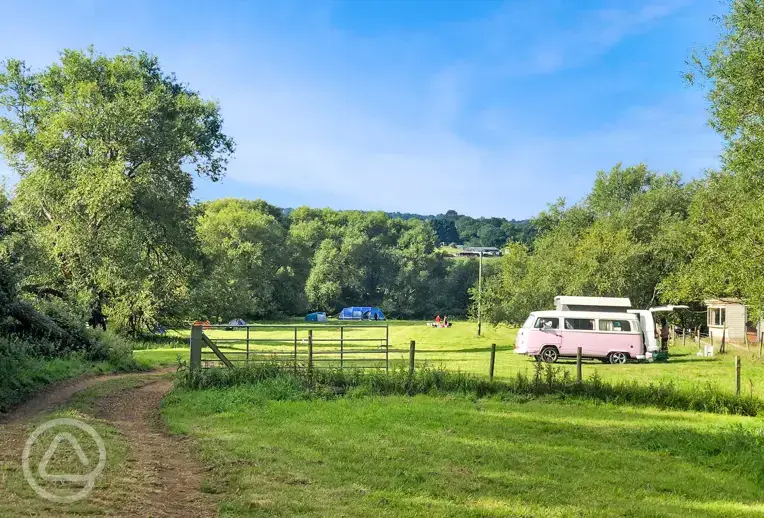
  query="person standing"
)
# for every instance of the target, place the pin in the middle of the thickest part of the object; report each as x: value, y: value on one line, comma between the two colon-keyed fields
x: 664, y: 335
x: 437, y: 321
x: 445, y: 321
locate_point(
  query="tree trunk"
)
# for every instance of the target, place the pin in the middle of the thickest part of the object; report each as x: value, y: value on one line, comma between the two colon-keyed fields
x: 41, y: 325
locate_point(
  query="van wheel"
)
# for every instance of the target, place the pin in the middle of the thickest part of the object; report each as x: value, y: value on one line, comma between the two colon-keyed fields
x: 616, y: 358
x: 549, y: 354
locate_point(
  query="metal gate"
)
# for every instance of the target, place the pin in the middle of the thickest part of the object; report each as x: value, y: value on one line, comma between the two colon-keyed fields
x: 298, y: 346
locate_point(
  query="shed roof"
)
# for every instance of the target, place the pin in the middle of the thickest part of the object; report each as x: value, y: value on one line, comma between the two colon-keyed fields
x: 722, y: 300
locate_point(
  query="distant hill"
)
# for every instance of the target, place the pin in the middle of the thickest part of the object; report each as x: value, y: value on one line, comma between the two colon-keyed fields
x: 453, y: 228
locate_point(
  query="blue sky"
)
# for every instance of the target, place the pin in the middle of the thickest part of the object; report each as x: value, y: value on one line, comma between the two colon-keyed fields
x: 491, y: 108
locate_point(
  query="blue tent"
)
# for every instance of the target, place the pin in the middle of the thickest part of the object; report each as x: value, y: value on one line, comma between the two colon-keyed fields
x: 318, y: 316
x: 361, y: 313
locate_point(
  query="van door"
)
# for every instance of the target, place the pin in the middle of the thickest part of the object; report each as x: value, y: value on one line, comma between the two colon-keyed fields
x: 550, y: 329
x: 577, y: 332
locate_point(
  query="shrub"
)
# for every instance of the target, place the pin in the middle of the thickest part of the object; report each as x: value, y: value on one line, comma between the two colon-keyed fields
x: 112, y: 348
x: 160, y: 341
x: 545, y: 381
x: 23, y: 370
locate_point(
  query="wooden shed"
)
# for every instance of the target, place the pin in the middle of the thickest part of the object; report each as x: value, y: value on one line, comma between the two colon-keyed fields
x: 731, y: 315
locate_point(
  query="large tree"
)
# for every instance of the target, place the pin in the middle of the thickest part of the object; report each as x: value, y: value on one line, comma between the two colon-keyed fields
x: 243, y: 244
x: 105, y: 148
x: 725, y: 245
x: 622, y: 240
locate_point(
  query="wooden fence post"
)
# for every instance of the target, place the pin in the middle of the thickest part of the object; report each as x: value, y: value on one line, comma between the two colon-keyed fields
x: 723, y: 348
x: 310, y: 351
x: 196, y: 346
x: 684, y: 336
x: 295, y: 350
x: 342, y: 347
x: 387, y: 348
x: 737, y: 375
x: 761, y: 343
x: 247, y: 362
x: 493, y: 362
x: 578, y: 365
x: 412, y: 352
x: 698, y: 337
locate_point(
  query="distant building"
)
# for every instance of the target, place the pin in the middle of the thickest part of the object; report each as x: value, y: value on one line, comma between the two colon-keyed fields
x: 730, y: 315
x: 475, y: 251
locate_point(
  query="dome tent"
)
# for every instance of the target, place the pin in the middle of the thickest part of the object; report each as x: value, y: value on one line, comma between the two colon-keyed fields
x: 318, y: 316
x: 236, y: 322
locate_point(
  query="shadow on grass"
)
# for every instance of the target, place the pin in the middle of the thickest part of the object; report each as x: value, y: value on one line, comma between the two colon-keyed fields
x: 457, y: 457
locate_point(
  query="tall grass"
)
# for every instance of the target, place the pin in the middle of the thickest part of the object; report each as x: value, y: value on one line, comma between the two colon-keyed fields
x: 546, y: 380
x: 27, y: 365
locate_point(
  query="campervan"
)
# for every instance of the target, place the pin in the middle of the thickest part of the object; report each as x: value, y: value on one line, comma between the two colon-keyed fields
x: 609, y: 336
x: 603, y: 327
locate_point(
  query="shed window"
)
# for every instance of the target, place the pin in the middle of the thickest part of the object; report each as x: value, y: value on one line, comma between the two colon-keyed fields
x: 580, y: 324
x: 615, y: 325
x: 717, y: 317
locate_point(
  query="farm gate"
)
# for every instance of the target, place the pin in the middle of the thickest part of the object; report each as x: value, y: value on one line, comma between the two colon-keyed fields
x: 298, y: 346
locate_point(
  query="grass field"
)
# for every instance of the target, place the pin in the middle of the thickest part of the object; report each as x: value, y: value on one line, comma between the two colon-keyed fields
x: 459, y: 348
x: 273, y: 454
x: 275, y: 451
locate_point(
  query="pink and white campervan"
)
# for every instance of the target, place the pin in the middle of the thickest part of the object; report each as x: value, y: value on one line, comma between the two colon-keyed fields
x: 549, y: 335
x: 603, y: 327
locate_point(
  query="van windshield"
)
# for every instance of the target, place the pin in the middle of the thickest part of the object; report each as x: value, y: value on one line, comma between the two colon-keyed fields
x: 529, y: 321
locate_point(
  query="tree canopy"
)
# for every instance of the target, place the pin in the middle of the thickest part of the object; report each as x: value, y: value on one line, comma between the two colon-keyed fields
x: 104, y: 147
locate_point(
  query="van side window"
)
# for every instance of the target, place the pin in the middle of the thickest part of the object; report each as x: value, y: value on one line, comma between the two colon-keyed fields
x: 580, y: 324
x: 547, y: 323
x: 615, y: 325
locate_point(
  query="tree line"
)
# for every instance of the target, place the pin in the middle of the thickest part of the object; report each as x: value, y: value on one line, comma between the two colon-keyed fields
x: 652, y: 236
x: 101, y: 226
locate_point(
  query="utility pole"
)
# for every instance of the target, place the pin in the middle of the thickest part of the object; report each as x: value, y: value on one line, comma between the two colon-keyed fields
x: 480, y: 290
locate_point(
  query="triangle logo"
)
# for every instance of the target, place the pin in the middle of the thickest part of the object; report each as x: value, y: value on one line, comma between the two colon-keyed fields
x: 43, y: 467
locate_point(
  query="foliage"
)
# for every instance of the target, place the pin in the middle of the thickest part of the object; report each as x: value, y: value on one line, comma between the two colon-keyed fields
x: 242, y: 242
x: 102, y: 146
x: 259, y: 265
x: 622, y: 240
x: 545, y: 380
x: 724, y: 243
x: 27, y: 365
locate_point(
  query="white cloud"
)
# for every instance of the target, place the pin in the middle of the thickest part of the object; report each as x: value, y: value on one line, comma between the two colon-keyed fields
x: 321, y: 143
x: 539, y: 38
x: 379, y: 122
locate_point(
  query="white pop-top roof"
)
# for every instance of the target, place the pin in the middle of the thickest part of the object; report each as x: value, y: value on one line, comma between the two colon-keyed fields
x: 605, y: 315
x: 570, y: 300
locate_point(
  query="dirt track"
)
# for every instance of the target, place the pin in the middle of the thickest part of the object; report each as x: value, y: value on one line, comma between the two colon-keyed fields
x: 166, y: 480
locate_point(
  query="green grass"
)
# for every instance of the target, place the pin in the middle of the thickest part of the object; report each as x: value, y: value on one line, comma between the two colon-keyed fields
x: 277, y: 451
x: 31, y: 374
x: 458, y: 348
